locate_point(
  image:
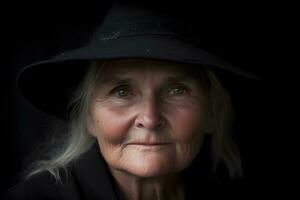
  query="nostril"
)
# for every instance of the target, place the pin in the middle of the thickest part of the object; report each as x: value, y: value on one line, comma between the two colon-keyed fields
x: 152, y: 126
x: 140, y: 125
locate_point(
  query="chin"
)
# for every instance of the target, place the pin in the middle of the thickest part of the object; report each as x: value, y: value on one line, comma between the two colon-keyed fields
x: 148, y: 172
x: 150, y: 167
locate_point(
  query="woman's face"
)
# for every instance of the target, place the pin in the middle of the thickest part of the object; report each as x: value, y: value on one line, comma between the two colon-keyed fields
x: 148, y: 116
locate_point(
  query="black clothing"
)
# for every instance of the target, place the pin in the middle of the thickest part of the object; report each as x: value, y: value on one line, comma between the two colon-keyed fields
x: 87, y: 178
x: 90, y: 178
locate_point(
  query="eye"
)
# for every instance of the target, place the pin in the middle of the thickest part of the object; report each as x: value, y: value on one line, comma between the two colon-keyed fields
x: 122, y: 91
x: 178, y: 90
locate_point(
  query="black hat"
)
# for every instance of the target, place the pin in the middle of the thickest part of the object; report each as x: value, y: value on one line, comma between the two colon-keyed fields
x: 130, y: 30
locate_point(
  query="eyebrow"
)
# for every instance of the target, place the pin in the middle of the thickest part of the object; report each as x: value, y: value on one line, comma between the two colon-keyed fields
x: 117, y: 80
x: 179, y: 78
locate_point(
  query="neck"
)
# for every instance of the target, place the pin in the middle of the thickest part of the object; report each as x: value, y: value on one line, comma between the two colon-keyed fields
x: 154, y: 188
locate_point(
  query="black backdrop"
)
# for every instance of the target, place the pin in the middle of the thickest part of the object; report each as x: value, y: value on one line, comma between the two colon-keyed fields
x: 245, y: 35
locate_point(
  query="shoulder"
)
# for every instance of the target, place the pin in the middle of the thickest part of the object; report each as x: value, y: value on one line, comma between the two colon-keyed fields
x: 43, y: 186
x: 81, y: 180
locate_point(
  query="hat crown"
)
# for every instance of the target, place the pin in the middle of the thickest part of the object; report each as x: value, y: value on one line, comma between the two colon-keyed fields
x: 131, y: 12
x: 125, y: 19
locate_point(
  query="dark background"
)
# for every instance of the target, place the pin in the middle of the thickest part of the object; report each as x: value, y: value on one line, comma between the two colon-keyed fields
x: 250, y: 36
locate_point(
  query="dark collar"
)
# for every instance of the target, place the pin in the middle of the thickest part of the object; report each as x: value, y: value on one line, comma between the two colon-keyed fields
x: 94, y: 177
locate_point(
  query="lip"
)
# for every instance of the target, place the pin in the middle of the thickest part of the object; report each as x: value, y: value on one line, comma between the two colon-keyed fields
x: 150, y: 144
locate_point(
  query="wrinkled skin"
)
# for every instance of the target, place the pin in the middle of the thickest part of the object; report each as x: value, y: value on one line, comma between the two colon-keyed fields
x: 149, y: 126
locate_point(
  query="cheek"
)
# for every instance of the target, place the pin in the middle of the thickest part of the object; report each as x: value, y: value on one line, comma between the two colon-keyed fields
x: 187, y: 123
x: 112, y: 123
x: 188, y: 130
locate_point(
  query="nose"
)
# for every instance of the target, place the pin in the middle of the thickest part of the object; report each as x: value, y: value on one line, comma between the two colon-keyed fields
x: 149, y: 116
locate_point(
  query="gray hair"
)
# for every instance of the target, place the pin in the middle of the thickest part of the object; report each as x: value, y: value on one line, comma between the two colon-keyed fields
x: 77, y: 140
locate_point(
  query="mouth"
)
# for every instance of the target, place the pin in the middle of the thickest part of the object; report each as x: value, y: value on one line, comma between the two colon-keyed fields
x: 150, y: 144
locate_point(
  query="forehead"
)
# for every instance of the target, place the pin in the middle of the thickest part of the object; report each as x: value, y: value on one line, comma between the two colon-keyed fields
x: 135, y: 66
x: 135, y: 70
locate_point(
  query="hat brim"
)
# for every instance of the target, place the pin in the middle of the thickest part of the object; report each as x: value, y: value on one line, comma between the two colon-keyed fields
x: 47, y: 84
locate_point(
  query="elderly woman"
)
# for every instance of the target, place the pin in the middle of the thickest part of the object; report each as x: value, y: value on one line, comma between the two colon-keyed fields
x: 140, y: 102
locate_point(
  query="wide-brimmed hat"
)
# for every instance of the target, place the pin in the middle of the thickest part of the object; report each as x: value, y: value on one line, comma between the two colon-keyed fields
x: 129, y: 30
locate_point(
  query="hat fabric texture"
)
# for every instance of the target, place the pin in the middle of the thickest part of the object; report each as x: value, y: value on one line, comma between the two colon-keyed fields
x: 127, y: 31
